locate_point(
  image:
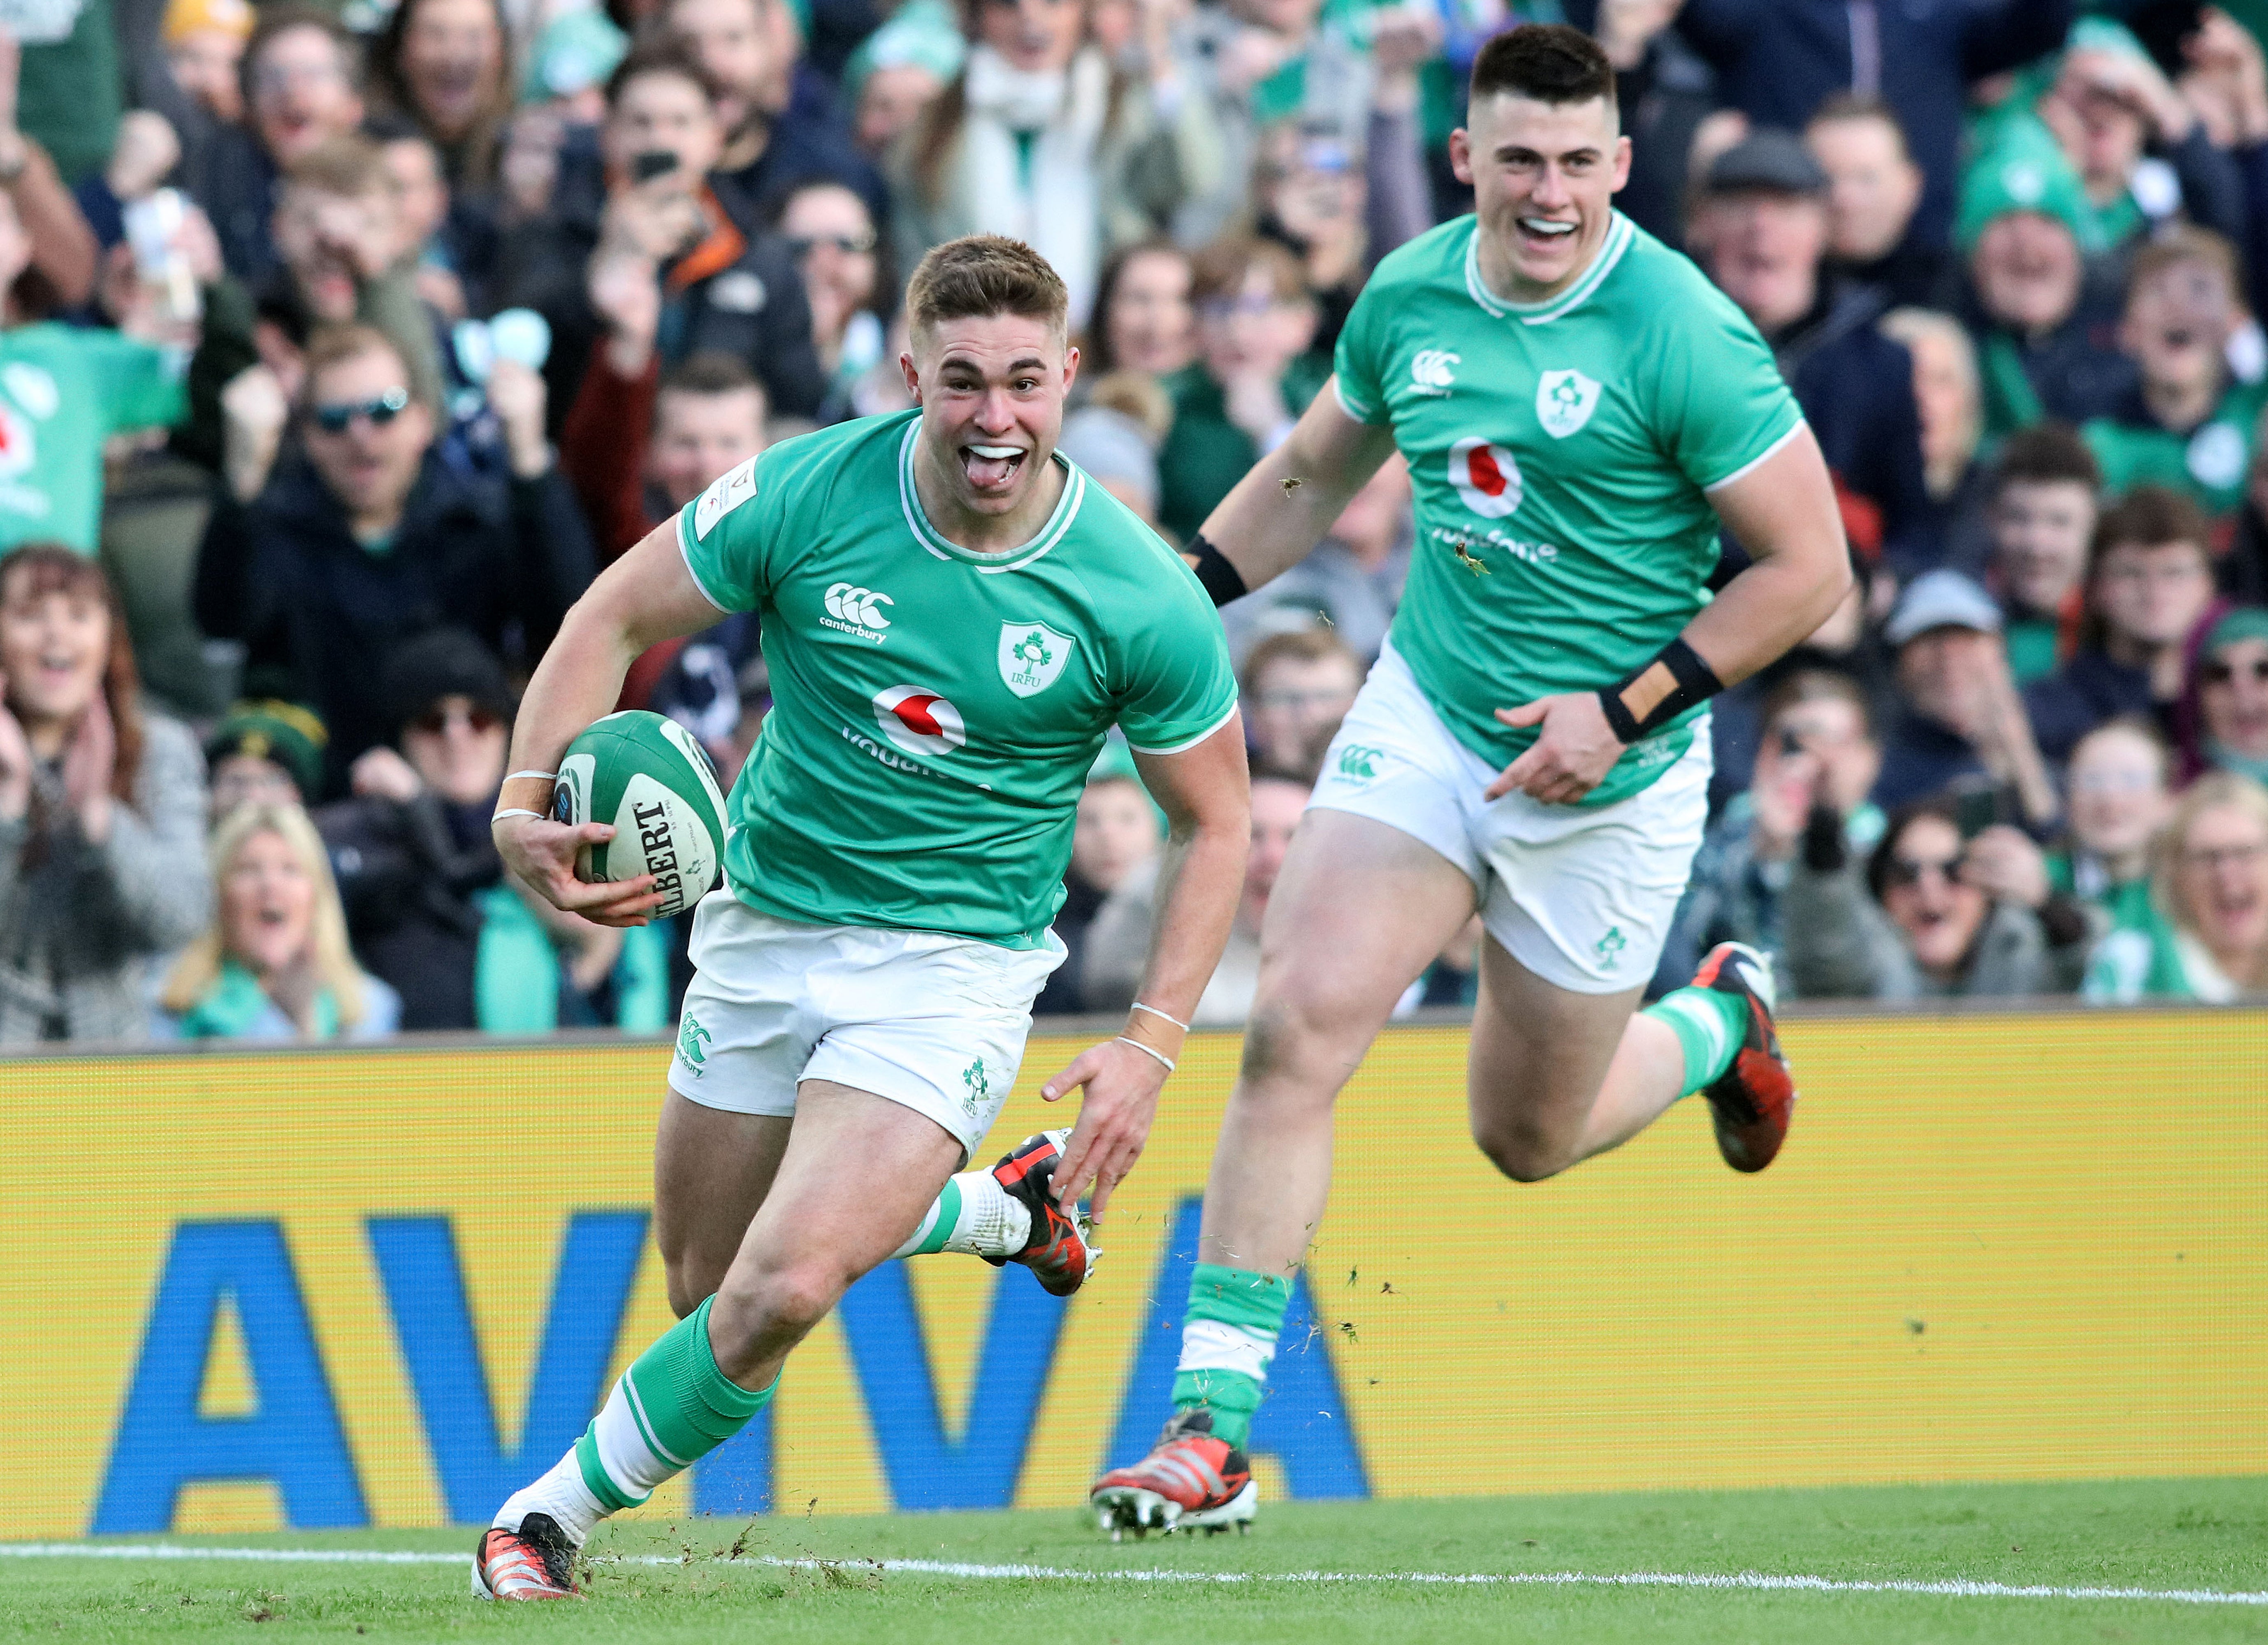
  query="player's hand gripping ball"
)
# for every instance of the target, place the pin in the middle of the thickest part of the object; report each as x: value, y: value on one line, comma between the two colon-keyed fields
x: 651, y: 779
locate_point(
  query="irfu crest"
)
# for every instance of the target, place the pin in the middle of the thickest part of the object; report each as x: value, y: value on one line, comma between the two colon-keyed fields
x: 1032, y: 655
x: 1564, y: 401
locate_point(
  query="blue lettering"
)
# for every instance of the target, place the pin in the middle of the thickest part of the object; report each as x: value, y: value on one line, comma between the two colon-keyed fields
x: 293, y: 1438
x: 925, y: 1467
x: 425, y: 1291
x: 1303, y: 1424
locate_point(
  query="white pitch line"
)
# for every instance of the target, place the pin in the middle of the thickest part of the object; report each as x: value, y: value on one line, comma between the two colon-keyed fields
x: 1753, y: 1582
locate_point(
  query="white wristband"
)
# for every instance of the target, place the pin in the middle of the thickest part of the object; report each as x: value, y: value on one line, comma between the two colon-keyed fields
x: 1154, y: 1011
x: 1155, y: 1056
x: 516, y: 811
x: 548, y: 777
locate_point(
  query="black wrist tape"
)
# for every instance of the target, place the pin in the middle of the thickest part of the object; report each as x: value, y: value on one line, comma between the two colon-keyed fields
x: 1696, y: 683
x: 1221, y: 579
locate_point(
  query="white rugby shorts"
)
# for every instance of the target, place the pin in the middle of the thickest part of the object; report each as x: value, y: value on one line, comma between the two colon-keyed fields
x: 934, y: 1022
x: 1582, y: 896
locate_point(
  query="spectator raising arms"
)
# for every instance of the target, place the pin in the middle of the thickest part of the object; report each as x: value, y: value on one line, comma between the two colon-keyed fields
x: 1928, y: 919
x: 323, y: 564
x: 2212, y: 880
x: 102, y: 811
x: 276, y: 964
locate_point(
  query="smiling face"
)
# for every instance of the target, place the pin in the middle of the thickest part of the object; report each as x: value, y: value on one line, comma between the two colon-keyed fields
x: 2233, y: 696
x: 301, y: 93
x: 1543, y: 177
x: 1152, y: 323
x: 2118, y: 798
x: 54, y: 644
x: 1035, y: 36
x: 329, y: 242
x: 2027, y: 268
x: 452, y: 63
x: 2220, y: 880
x: 1926, y: 899
x: 2040, y: 529
x: 991, y: 393
x: 267, y: 906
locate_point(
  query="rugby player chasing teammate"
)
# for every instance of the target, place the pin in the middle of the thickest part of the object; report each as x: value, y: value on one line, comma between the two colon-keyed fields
x: 953, y: 617
x: 1579, y: 409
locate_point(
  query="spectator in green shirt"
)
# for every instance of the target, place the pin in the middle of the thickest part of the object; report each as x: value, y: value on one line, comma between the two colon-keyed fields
x: 2187, y: 424
x: 2118, y: 801
x: 64, y: 391
x: 1253, y: 376
x: 2042, y: 513
x: 2211, y: 876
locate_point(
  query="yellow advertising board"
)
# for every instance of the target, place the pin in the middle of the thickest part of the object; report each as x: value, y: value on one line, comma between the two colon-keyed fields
x: 384, y: 1287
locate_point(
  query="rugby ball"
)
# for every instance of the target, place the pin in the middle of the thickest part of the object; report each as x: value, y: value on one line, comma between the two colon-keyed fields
x: 651, y: 778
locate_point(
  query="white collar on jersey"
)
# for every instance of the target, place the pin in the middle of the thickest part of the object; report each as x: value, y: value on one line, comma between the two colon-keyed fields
x: 1016, y: 558
x: 1620, y: 233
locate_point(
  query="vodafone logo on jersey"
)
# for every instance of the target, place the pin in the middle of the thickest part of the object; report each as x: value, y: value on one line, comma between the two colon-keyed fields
x: 1486, y: 478
x: 919, y: 721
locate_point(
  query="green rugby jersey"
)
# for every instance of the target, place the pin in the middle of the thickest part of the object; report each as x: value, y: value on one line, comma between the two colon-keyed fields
x: 2209, y: 464
x: 1560, y: 454
x: 935, y: 711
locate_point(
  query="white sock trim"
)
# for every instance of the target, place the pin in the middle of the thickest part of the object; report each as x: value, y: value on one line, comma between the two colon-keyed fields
x: 1710, y: 1023
x: 1209, y: 1345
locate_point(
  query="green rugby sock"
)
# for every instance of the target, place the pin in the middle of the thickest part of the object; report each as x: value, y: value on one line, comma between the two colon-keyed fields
x: 1229, y: 1336
x: 1709, y: 1025
x: 671, y: 1408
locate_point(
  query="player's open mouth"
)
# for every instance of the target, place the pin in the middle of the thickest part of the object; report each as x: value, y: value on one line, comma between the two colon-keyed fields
x: 990, y: 468
x: 1545, y: 230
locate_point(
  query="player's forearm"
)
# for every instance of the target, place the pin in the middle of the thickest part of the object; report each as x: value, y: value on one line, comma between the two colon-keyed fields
x: 578, y: 680
x: 1290, y: 498
x: 1770, y: 609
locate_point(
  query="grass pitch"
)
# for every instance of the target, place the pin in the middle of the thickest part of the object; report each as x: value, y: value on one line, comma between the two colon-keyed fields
x: 835, y: 1578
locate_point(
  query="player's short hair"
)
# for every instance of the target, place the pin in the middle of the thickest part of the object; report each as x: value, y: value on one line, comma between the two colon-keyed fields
x: 1220, y: 271
x: 1817, y: 685
x: 2046, y: 453
x: 981, y: 275
x: 1297, y: 645
x: 1550, y: 63
x: 660, y: 54
x: 278, y: 20
x: 350, y: 165
x: 2149, y: 516
x: 334, y: 345
x: 2184, y: 243
x: 1855, y: 107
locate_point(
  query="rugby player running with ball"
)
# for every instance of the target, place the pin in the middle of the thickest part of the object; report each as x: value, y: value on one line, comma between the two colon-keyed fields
x: 1580, y: 410
x: 954, y: 617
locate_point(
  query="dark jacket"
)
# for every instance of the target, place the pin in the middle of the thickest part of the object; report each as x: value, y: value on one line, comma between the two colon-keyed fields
x: 809, y: 143
x: 1777, y: 60
x: 319, y: 613
x: 1921, y: 758
x: 410, y: 876
x: 235, y: 182
x: 2071, y: 373
x: 1856, y: 389
x: 754, y: 310
x: 2079, y: 696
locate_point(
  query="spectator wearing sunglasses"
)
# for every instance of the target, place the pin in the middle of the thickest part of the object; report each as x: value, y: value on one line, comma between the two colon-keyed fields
x: 359, y: 538
x: 1925, y: 916
x: 428, y: 905
x: 838, y: 250
x: 2210, y: 873
x: 2226, y: 711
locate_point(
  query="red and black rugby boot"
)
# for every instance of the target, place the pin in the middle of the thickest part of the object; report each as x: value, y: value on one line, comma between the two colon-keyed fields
x: 535, y: 1562
x: 1190, y: 1481
x: 1059, y: 1253
x: 1752, y: 1101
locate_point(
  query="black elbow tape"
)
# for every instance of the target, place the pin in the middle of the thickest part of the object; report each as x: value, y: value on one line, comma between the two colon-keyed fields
x: 1221, y: 579
x: 1696, y: 683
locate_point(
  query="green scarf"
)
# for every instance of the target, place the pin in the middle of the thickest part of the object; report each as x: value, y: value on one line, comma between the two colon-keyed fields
x: 235, y: 1000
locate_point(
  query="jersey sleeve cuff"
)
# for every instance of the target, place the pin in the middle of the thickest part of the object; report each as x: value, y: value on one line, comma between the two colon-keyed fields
x: 685, y: 553
x: 1353, y: 409
x: 1187, y: 743
x: 1761, y: 457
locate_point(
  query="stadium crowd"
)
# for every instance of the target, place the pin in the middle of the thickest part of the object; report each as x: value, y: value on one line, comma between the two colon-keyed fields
x: 343, y: 344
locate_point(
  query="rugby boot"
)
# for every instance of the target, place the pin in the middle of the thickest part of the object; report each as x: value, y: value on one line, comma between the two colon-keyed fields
x: 1190, y: 1481
x: 1752, y: 1101
x: 535, y: 1562
x: 1058, y: 1253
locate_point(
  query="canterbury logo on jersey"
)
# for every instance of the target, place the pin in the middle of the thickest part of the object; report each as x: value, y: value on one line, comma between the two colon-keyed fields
x: 1430, y: 371
x: 857, y: 611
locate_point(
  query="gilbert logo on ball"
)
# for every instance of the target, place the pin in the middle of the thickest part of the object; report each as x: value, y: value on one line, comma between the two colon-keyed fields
x: 651, y: 779
x: 919, y: 721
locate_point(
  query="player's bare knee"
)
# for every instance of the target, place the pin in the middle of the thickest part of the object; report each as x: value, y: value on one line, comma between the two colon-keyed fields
x: 773, y: 1308
x: 1523, y: 1152
x: 1286, y: 1058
